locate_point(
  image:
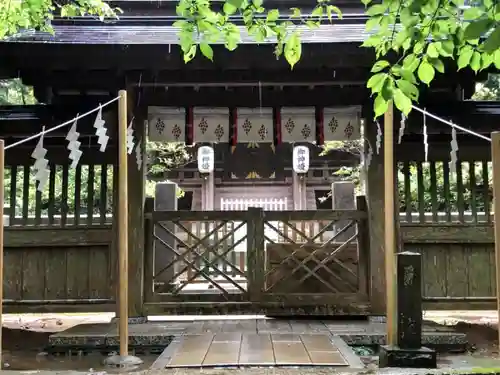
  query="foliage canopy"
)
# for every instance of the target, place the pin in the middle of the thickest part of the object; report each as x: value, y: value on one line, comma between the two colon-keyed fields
x: 413, y: 39
x: 16, y: 15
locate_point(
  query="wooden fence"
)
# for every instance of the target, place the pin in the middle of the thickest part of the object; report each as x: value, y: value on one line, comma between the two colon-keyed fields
x: 58, y: 243
x: 448, y: 219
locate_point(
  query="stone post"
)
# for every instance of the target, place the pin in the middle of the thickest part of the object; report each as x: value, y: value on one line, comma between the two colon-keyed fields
x: 343, y: 198
x: 165, y: 200
x: 409, y: 351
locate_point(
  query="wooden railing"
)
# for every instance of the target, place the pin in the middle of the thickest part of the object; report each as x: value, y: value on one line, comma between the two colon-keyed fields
x: 73, y: 197
x: 430, y: 193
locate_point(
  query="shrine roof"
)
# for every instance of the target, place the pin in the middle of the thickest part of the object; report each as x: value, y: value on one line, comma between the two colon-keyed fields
x: 159, y: 31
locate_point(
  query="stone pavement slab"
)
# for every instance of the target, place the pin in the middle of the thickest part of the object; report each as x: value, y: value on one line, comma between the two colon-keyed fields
x: 229, y: 350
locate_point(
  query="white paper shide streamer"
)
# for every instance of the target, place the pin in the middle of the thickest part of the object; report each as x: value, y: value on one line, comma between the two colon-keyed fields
x: 130, y: 138
x: 369, y: 156
x: 378, y: 143
x: 42, y: 172
x: 402, y: 127
x: 138, y: 155
x: 74, y: 146
x: 454, y: 151
x: 426, y: 139
x: 101, y: 131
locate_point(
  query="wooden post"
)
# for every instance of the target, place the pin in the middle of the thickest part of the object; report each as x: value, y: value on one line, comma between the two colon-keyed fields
x: 2, y: 175
x: 495, y: 158
x: 122, y: 221
x: 390, y: 227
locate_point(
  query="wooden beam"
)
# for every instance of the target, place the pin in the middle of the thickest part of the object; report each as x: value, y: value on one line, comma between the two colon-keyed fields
x: 495, y: 157
x: 158, y: 79
x: 93, y: 56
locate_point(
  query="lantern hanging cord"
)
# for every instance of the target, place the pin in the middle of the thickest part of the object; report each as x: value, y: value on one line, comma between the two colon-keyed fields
x: 43, y: 132
x: 449, y: 123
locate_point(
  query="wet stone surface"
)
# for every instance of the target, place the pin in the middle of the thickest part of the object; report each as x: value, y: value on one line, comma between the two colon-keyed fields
x: 161, y: 333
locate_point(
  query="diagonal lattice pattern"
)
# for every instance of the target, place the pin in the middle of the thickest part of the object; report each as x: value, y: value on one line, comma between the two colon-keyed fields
x: 300, y: 261
x: 203, y: 253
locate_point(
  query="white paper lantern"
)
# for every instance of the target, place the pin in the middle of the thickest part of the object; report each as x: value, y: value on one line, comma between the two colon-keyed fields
x: 206, y: 159
x: 300, y: 159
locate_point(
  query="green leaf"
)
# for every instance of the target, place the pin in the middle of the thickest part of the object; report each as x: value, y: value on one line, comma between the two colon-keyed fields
x: 380, y: 65
x: 295, y: 12
x: 486, y: 60
x: 207, y: 51
x: 426, y: 72
x: 293, y: 49
x: 475, y: 61
x: 273, y: 15
x: 330, y: 9
x: 387, y: 91
x: 446, y: 48
x: 476, y: 29
x: 190, y: 54
x: 372, y: 41
x: 180, y: 24
x: 376, y: 10
x: 380, y: 105
x: 235, y: 3
x: 317, y: 12
x: 493, y: 42
x: 472, y: 13
x: 408, y: 76
x: 409, y: 89
x: 437, y: 64
x: 372, y: 23
x: 432, y: 50
x: 229, y: 8
x: 465, y: 56
x: 411, y: 62
x: 401, y: 37
x: 257, y: 3
x: 496, y: 59
x: 376, y: 82
x: 402, y: 102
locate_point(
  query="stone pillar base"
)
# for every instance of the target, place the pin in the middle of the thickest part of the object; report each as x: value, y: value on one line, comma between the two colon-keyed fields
x: 394, y: 356
x: 132, y: 320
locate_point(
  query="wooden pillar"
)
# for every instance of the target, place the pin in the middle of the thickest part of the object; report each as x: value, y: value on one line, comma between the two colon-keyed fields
x: 390, y: 225
x: 343, y: 198
x: 299, y: 192
x: 2, y: 176
x: 122, y: 228
x: 208, y: 192
x: 495, y: 157
x: 136, y: 200
x: 375, y: 202
x: 165, y: 200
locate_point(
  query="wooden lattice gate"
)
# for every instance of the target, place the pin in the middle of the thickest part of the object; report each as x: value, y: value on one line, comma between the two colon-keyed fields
x: 256, y: 261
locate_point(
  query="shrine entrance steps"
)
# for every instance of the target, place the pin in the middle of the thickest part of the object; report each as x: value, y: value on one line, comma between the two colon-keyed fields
x: 252, y: 342
x: 253, y: 349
